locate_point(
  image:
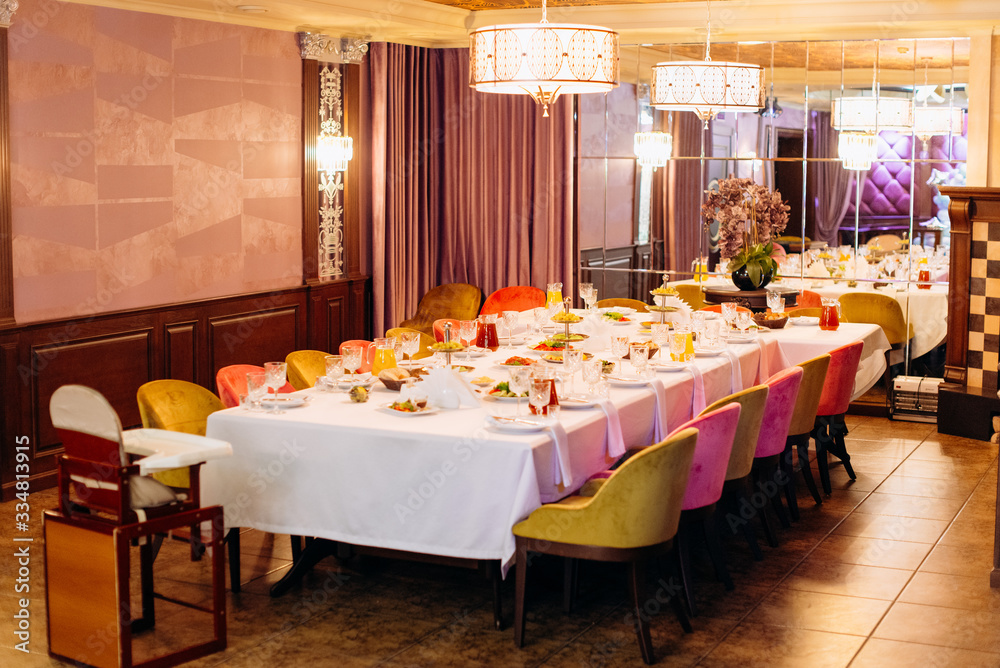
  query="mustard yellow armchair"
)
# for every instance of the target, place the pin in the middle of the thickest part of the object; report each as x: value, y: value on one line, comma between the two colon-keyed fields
x: 692, y: 295
x: 640, y: 307
x: 452, y: 300
x: 426, y: 341
x: 631, y: 518
x: 304, y: 367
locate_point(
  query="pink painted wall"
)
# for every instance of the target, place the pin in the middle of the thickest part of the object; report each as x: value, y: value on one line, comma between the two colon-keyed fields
x: 154, y: 160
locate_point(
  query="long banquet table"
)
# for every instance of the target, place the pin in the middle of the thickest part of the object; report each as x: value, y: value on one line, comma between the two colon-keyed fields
x: 443, y: 484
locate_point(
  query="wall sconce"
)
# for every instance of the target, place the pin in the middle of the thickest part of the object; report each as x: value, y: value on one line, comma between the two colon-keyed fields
x: 333, y: 153
x: 857, y: 150
x: 653, y: 149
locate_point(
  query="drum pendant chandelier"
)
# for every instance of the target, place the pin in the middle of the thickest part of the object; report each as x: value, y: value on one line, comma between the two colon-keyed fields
x: 544, y: 60
x: 707, y: 87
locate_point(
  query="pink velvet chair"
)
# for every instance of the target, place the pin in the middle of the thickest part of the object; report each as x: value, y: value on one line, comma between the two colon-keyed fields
x: 231, y: 382
x: 439, y: 328
x: 782, y: 391
x: 830, y: 429
x: 369, y: 356
x: 514, y: 298
x: 716, y: 431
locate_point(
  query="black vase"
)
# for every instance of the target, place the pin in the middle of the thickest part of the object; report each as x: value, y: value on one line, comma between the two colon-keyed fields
x: 742, y: 279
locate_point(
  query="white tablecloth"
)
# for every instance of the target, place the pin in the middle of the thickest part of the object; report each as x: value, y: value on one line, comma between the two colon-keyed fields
x: 443, y: 484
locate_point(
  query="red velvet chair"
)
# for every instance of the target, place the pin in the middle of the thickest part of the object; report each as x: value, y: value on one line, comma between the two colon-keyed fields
x: 830, y: 428
x: 231, y: 382
x: 369, y: 357
x: 514, y: 298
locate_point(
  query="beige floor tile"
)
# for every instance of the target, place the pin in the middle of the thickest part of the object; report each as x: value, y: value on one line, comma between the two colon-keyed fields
x: 947, y: 627
x: 952, y: 591
x: 819, y: 611
x: 878, y: 653
x: 874, y: 464
x: 932, y: 487
x: 942, y: 470
x: 973, y: 560
x: 782, y: 647
x: 910, y: 506
x: 871, y: 552
x: 848, y: 579
x: 910, y: 529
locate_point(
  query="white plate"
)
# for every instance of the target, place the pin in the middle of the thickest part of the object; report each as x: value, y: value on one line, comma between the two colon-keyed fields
x: 361, y: 379
x: 428, y: 410
x: 578, y: 401
x: 708, y: 352
x: 668, y: 365
x: 624, y: 310
x: 492, y: 397
x: 628, y: 381
x: 518, y: 424
x: 619, y: 323
x: 740, y: 339
x: 504, y: 367
x: 804, y: 320
x: 469, y: 352
x: 283, y: 402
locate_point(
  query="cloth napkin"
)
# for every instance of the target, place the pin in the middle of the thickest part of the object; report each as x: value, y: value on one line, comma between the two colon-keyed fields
x: 446, y: 388
x: 562, y: 474
x: 698, y: 402
x: 599, y: 329
x: 660, y: 429
x: 737, y: 381
x: 616, y: 442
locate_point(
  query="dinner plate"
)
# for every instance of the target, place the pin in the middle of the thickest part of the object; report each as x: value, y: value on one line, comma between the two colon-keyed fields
x: 492, y: 397
x: 578, y: 401
x: 557, y: 357
x: 283, y: 402
x: 360, y: 379
x: 740, y: 339
x: 619, y: 323
x: 628, y: 381
x: 668, y: 365
x: 624, y: 310
x: 518, y: 424
x: 427, y: 410
x: 708, y: 352
x: 804, y: 320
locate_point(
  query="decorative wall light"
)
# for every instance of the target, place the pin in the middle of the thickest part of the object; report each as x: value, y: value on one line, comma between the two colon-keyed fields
x: 931, y: 121
x: 653, y: 149
x: 872, y: 114
x: 707, y: 87
x: 544, y: 60
x: 857, y: 150
x: 333, y: 153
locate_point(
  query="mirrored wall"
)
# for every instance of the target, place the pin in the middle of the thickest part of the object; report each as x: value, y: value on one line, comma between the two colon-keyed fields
x: 884, y: 227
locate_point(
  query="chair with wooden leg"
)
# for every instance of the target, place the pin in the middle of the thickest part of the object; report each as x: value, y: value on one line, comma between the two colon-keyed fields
x: 801, y: 426
x: 105, y: 504
x: 631, y: 518
x: 830, y: 429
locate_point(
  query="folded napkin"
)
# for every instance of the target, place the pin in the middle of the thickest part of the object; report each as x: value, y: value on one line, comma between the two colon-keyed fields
x: 599, y: 329
x: 737, y: 369
x: 698, y: 402
x: 683, y: 312
x: 817, y: 270
x: 660, y: 429
x: 446, y: 388
x: 616, y: 443
x: 561, y: 471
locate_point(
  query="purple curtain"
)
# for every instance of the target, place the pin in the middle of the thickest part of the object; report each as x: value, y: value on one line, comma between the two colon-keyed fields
x: 834, y: 186
x: 467, y: 187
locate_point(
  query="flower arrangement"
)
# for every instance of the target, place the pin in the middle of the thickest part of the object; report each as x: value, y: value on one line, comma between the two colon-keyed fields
x: 749, y: 215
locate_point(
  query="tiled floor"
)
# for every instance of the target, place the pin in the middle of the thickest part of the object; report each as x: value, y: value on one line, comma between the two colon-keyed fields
x: 892, y: 570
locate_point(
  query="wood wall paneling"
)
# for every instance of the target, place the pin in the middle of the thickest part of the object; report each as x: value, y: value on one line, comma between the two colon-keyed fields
x: 253, y: 338
x: 181, y: 351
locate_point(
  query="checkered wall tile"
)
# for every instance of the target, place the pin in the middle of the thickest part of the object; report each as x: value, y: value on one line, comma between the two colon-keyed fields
x: 984, y: 306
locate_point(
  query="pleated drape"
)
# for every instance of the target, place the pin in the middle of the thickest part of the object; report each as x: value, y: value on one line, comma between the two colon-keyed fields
x: 467, y: 187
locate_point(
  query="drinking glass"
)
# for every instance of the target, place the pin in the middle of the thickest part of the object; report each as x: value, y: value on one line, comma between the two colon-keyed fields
x: 256, y: 388
x: 592, y: 304
x: 729, y: 313
x: 660, y: 334
x: 334, y: 369
x: 468, y: 329
x: 584, y: 289
x: 553, y: 294
x: 698, y: 323
x: 591, y: 373
x: 743, y: 320
x: 639, y: 357
x: 539, y: 395
x: 411, y: 344
x: 712, y: 333
x: 678, y: 342
x: 510, y: 322
x: 539, y: 316
x: 619, y: 347
x: 352, y: 358
x: 520, y: 382
x: 775, y: 302
x: 572, y: 360
x: 276, y: 379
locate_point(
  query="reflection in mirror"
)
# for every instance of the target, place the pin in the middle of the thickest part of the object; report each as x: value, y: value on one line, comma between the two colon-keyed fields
x: 885, y: 225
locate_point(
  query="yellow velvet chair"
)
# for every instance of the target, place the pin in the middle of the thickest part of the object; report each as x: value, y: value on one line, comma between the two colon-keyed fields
x: 803, y: 421
x: 631, y: 518
x: 460, y: 301
x: 752, y: 402
x: 612, y: 302
x: 804, y: 312
x: 882, y: 310
x: 304, y: 367
x: 425, y: 341
x: 691, y: 295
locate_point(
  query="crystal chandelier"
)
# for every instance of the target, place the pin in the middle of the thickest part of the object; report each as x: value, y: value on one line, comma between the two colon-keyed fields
x: 707, y: 87
x: 872, y: 114
x: 544, y: 60
x: 333, y: 153
x: 931, y: 121
x: 857, y: 150
x: 653, y: 149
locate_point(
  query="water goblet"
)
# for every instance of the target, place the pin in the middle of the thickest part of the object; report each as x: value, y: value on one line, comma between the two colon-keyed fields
x: 729, y: 313
x: 256, y: 389
x: 591, y: 373
x: 660, y: 334
x: 619, y: 347
x: 334, y: 369
x: 712, y: 333
x: 639, y: 357
x: 743, y: 321
x: 276, y: 379
x: 775, y: 302
x: 572, y: 361
x: 592, y: 304
x: 698, y: 323
x: 678, y: 342
x: 467, y: 331
x: 510, y: 319
x: 411, y: 344
x: 540, y: 393
x: 520, y: 382
x: 352, y: 358
x: 539, y: 316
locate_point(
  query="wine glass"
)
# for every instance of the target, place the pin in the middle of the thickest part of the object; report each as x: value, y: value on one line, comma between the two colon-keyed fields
x: 678, y: 342
x: 334, y: 369
x: 660, y: 334
x: 510, y: 322
x: 584, y: 290
x: 743, y: 320
x: 639, y: 357
x: 541, y: 391
x: 256, y: 389
x: 592, y: 302
x: 729, y: 313
x: 276, y: 379
x: 467, y: 331
x: 352, y: 359
x: 572, y: 360
x: 411, y: 344
x: 619, y: 347
x: 540, y: 315
x: 775, y: 302
x: 520, y: 382
x: 591, y: 374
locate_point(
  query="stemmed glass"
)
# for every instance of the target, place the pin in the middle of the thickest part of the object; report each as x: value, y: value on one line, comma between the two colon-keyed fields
x: 660, y: 334
x: 276, y: 379
x: 467, y: 331
x: 678, y: 342
x: 729, y: 313
x: 775, y: 302
x: 639, y: 357
x: 592, y: 374
x: 334, y: 369
x: 510, y: 322
x: 352, y: 359
x: 256, y: 389
x: 541, y: 391
x: 520, y: 382
x: 411, y: 344
x: 572, y: 360
x: 743, y: 320
x: 619, y: 347
x: 585, y: 291
x: 540, y: 315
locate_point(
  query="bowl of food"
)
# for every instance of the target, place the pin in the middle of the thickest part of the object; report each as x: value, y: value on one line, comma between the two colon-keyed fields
x: 394, y: 379
x: 566, y: 317
x: 770, y: 320
x: 653, y: 348
x: 447, y: 347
